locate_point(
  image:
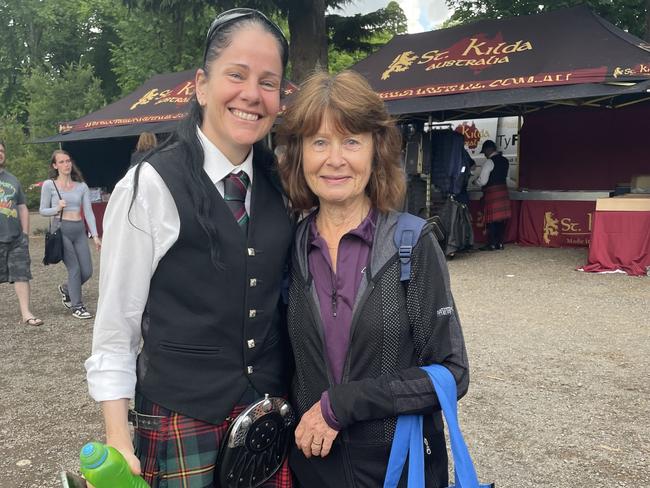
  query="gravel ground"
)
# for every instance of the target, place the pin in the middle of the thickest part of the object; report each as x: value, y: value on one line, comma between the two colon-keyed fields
x: 559, y: 394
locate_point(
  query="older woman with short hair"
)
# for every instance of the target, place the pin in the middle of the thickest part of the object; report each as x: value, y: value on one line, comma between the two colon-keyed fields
x: 358, y: 333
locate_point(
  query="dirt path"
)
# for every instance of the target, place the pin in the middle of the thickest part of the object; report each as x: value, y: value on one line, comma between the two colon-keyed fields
x: 559, y: 394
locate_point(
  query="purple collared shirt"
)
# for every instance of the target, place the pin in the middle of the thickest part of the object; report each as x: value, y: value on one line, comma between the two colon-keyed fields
x: 337, y: 292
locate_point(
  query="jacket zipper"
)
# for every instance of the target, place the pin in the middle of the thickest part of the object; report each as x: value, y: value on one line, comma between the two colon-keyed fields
x: 355, y: 316
x: 426, y: 447
x: 349, y: 473
x: 346, y: 368
x: 319, y: 328
x: 335, y: 298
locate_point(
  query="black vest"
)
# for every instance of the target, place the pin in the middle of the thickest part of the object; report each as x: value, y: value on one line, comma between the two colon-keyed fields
x: 208, y: 332
x: 500, y: 172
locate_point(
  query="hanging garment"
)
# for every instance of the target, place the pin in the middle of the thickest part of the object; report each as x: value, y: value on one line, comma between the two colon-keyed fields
x: 447, y: 156
x: 457, y: 222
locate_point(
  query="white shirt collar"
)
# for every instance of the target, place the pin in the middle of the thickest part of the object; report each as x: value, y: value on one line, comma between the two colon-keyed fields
x: 217, y: 165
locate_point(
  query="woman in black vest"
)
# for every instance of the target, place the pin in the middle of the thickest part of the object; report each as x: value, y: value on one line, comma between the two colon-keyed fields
x: 196, y: 240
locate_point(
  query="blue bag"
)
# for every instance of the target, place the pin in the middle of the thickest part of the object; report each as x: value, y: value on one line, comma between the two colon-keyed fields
x: 408, y: 439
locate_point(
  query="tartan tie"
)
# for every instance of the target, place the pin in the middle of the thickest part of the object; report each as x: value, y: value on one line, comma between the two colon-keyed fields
x: 234, y: 193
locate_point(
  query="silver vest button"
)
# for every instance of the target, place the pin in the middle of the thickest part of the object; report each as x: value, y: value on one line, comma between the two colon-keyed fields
x: 251, y: 251
x: 249, y: 369
x: 251, y: 343
x: 252, y: 313
x: 252, y: 282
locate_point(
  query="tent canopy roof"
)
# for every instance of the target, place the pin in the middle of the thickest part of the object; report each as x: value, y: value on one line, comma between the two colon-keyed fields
x: 566, y: 54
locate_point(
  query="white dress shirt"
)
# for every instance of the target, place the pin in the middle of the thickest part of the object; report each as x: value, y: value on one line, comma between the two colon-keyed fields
x: 484, y: 175
x: 134, y: 243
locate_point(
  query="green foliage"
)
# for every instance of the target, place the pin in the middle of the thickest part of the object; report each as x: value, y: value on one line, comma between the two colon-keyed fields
x: 23, y: 160
x: 61, y: 95
x: 629, y: 15
x: 366, y: 32
x: 341, y: 60
x: 52, y: 34
x: 56, y: 95
x: 395, y: 19
x: 158, y: 37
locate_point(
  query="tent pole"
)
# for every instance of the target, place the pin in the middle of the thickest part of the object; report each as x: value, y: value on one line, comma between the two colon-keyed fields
x: 631, y: 103
x: 428, y: 177
x: 518, y: 149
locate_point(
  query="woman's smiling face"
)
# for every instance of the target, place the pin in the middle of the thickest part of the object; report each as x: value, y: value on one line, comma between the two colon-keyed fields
x: 337, y: 165
x: 240, y: 94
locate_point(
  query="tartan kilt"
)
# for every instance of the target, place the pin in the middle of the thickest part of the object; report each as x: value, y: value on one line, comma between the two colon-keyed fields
x: 496, y: 203
x: 183, y: 452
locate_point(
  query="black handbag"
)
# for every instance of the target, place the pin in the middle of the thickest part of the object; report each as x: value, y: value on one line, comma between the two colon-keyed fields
x: 54, y: 240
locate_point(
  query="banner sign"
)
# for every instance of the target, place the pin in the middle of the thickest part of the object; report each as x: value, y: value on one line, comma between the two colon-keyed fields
x: 562, y: 47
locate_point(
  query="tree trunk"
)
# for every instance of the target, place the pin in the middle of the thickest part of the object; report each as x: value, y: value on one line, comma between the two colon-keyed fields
x: 647, y: 20
x: 308, y: 50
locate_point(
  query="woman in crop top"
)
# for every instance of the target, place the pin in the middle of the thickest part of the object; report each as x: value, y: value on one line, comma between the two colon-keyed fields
x: 66, y: 193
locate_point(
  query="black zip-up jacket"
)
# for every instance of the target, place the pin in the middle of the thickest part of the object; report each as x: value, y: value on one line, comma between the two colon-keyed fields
x: 396, y: 328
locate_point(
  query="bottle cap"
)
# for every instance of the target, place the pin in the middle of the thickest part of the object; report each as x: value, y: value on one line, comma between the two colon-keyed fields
x: 93, y: 455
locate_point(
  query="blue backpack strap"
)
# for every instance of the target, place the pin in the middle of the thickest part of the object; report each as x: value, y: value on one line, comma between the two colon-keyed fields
x: 408, y: 230
x: 408, y: 439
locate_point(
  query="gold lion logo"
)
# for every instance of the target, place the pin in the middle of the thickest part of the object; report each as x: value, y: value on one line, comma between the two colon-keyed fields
x: 551, y: 227
x: 401, y: 63
x: 146, y: 98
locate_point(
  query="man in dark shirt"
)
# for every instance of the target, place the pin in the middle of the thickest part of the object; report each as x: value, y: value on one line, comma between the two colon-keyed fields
x: 14, y: 239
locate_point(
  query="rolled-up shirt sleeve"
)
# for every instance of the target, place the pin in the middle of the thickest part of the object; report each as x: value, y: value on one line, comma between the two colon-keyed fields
x: 136, y: 237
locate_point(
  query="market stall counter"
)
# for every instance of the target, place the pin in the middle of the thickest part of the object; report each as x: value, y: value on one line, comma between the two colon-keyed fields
x: 544, y: 218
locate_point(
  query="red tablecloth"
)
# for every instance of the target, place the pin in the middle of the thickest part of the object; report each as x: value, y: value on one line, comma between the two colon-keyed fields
x: 555, y: 223
x: 545, y: 223
x: 620, y: 241
x: 98, y: 209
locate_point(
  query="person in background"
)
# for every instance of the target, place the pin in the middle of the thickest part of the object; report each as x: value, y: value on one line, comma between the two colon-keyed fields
x: 496, y: 201
x: 358, y: 333
x: 196, y: 243
x: 67, y: 194
x: 146, y: 142
x: 467, y: 167
x: 14, y: 239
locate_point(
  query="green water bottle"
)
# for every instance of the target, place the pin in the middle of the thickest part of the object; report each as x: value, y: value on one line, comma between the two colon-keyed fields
x: 104, y: 467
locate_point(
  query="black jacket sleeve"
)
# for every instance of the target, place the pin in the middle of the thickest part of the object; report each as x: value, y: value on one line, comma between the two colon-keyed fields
x: 437, y: 337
